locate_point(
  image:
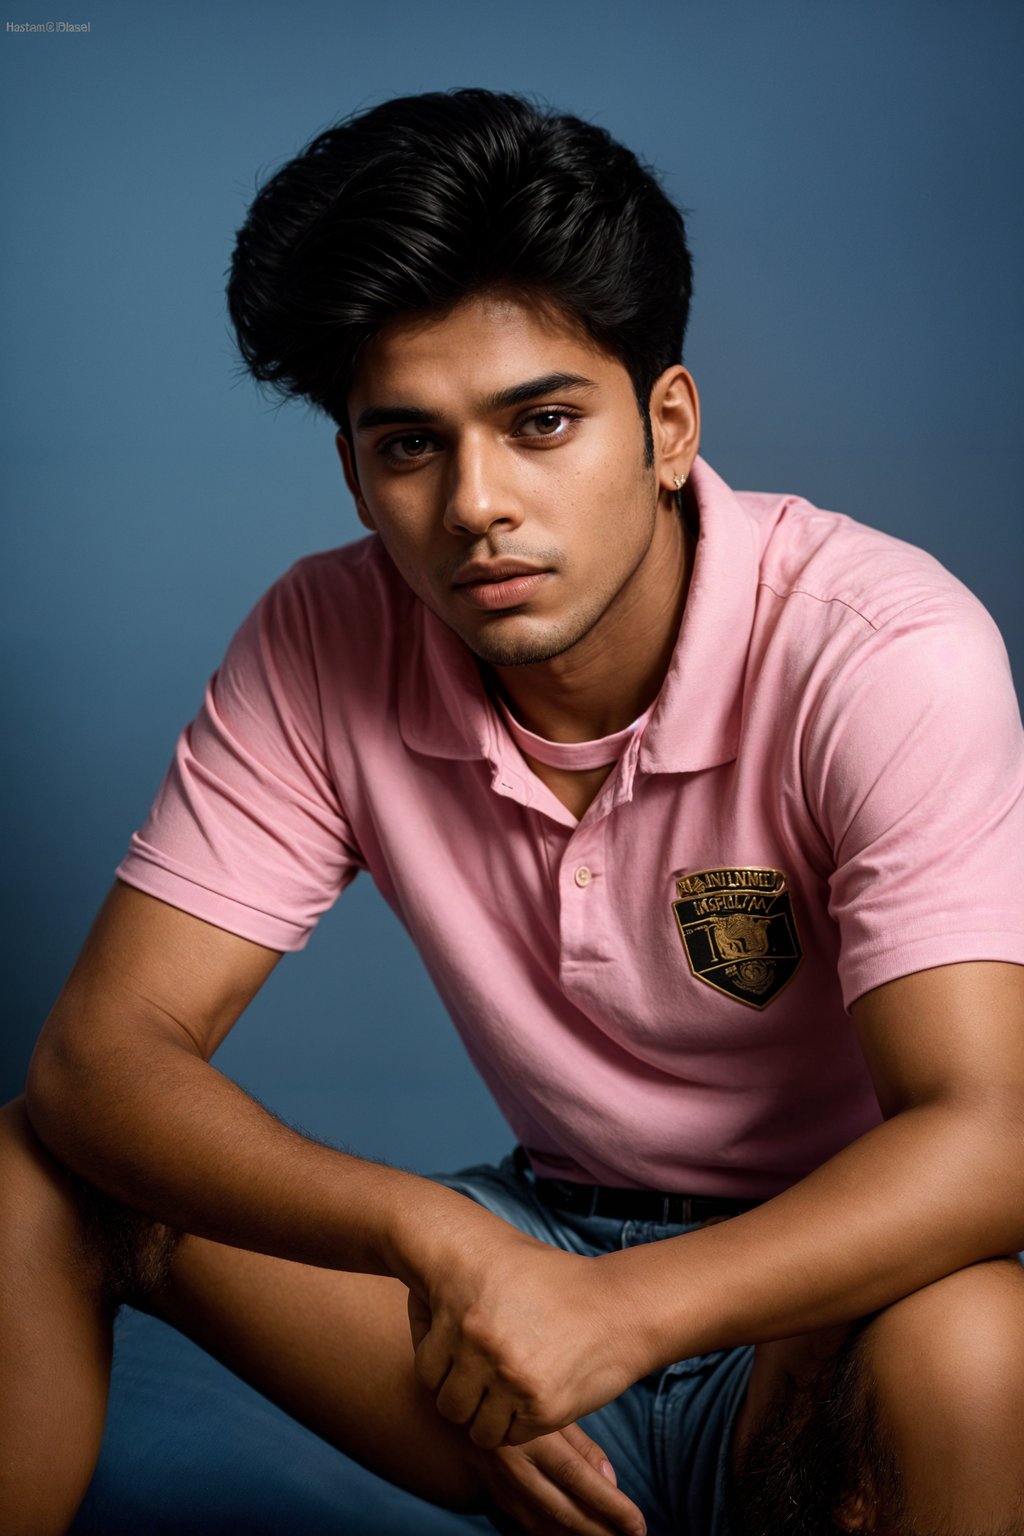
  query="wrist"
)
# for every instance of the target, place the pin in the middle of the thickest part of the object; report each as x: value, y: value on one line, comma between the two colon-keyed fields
x: 648, y: 1302
x: 414, y: 1219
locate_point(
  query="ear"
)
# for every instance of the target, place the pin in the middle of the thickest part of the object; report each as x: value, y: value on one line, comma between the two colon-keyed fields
x: 675, y: 426
x: 348, y: 469
x: 855, y: 1513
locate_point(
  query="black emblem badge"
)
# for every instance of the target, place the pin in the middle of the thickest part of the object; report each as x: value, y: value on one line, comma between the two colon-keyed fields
x: 738, y: 930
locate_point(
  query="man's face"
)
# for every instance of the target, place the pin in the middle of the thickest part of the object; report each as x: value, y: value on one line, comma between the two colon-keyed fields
x: 499, y: 455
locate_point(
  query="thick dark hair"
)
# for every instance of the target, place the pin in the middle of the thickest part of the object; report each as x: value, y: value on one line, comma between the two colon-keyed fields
x: 424, y: 200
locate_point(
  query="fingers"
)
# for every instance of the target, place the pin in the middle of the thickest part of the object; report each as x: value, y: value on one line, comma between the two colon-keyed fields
x: 552, y: 1512
x: 419, y: 1319
x: 492, y: 1422
x: 464, y: 1396
x: 576, y: 1464
x: 432, y: 1359
x: 556, y: 1485
x: 581, y: 1441
x: 523, y: 1429
x: 488, y: 1415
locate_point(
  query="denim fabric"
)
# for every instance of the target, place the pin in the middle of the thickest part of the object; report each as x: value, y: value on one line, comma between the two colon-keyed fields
x: 668, y: 1437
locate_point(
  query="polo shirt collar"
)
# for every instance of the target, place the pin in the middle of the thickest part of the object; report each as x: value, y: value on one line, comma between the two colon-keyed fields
x: 443, y: 709
x: 698, y: 713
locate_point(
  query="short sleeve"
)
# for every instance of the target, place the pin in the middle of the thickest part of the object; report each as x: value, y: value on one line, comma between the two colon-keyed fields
x: 247, y: 831
x: 915, y: 768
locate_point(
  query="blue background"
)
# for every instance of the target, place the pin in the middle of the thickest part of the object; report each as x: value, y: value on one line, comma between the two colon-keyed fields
x: 852, y: 174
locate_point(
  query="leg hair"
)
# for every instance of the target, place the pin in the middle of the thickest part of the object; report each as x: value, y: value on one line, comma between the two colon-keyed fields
x: 818, y: 1447
x: 133, y: 1250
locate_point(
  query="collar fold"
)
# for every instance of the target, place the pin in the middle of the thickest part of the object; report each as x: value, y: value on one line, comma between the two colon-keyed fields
x: 697, y: 715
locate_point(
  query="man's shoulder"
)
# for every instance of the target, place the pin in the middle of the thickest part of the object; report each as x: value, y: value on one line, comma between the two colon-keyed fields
x: 360, y: 571
x: 811, y: 554
x: 350, y: 596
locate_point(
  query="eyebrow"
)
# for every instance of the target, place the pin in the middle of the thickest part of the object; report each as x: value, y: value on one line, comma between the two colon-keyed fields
x: 500, y: 400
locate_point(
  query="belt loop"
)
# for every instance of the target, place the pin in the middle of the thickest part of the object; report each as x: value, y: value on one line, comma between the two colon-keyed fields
x: 595, y: 1195
x: 686, y: 1213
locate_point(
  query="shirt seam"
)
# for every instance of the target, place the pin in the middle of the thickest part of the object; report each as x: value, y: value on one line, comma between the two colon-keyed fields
x: 874, y: 624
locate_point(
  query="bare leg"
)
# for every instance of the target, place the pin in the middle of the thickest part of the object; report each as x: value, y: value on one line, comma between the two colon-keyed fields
x: 331, y: 1348
x: 946, y: 1366
x: 910, y: 1424
x: 55, y: 1338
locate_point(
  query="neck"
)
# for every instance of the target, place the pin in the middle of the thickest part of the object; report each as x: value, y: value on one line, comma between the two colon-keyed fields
x: 616, y: 671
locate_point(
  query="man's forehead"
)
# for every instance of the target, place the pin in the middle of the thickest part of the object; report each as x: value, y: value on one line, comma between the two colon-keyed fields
x: 480, y: 350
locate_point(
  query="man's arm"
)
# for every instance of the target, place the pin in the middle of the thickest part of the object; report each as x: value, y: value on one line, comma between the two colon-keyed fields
x: 121, y: 1091
x: 938, y: 1186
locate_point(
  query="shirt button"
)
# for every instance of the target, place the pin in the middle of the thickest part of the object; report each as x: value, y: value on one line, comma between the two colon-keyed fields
x: 583, y: 876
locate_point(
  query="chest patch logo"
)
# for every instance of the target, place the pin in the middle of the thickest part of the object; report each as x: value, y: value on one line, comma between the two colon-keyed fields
x: 739, y: 932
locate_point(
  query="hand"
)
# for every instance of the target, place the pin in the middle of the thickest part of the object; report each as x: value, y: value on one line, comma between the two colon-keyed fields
x: 516, y: 1338
x: 557, y: 1483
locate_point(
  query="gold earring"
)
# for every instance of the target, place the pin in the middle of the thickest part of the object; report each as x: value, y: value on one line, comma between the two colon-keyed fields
x: 678, y: 481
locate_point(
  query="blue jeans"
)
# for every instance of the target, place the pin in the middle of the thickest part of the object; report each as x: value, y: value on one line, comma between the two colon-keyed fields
x: 669, y: 1436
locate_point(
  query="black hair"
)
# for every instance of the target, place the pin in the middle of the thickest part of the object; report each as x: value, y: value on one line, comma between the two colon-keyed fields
x: 424, y: 200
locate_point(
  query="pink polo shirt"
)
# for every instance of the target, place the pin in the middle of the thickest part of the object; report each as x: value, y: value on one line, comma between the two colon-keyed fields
x: 826, y: 795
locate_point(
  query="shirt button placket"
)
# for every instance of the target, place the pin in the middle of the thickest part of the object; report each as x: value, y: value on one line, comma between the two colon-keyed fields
x: 583, y: 916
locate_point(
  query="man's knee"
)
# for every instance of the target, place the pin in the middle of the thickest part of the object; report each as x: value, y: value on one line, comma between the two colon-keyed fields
x: 946, y: 1368
x: 924, y: 1399
x: 957, y: 1345
x: 59, y: 1217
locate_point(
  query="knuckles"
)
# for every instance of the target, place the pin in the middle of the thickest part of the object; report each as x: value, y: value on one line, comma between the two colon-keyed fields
x: 464, y: 1356
x: 569, y: 1473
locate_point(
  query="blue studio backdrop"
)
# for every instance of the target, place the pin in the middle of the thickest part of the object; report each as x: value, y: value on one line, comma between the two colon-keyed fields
x: 851, y: 174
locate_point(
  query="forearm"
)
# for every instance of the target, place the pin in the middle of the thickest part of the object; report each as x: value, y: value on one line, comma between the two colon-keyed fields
x: 928, y: 1192
x: 155, y: 1126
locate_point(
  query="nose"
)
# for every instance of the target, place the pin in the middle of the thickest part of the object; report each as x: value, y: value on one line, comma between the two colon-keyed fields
x: 480, y: 495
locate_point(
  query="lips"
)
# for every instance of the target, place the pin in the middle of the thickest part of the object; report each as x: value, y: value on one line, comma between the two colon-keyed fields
x: 496, y: 584
x: 494, y: 570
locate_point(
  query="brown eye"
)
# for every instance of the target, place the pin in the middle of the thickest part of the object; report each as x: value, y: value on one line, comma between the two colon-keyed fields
x: 548, y: 424
x: 400, y: 450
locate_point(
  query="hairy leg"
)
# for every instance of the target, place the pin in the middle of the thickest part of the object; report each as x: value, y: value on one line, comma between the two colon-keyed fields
x: 911, y: 1423
x: 67, y: 1257
x: 332, y: 1348
x: 803, y: 1448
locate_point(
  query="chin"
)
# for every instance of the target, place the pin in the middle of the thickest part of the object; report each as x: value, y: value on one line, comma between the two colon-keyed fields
x: 524, y: 651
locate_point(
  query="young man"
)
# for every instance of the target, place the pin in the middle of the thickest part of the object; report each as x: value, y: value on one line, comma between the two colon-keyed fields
x: 705, y: 813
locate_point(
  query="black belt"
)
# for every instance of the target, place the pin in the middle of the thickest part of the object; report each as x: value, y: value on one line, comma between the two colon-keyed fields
x: 630, y: 1204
